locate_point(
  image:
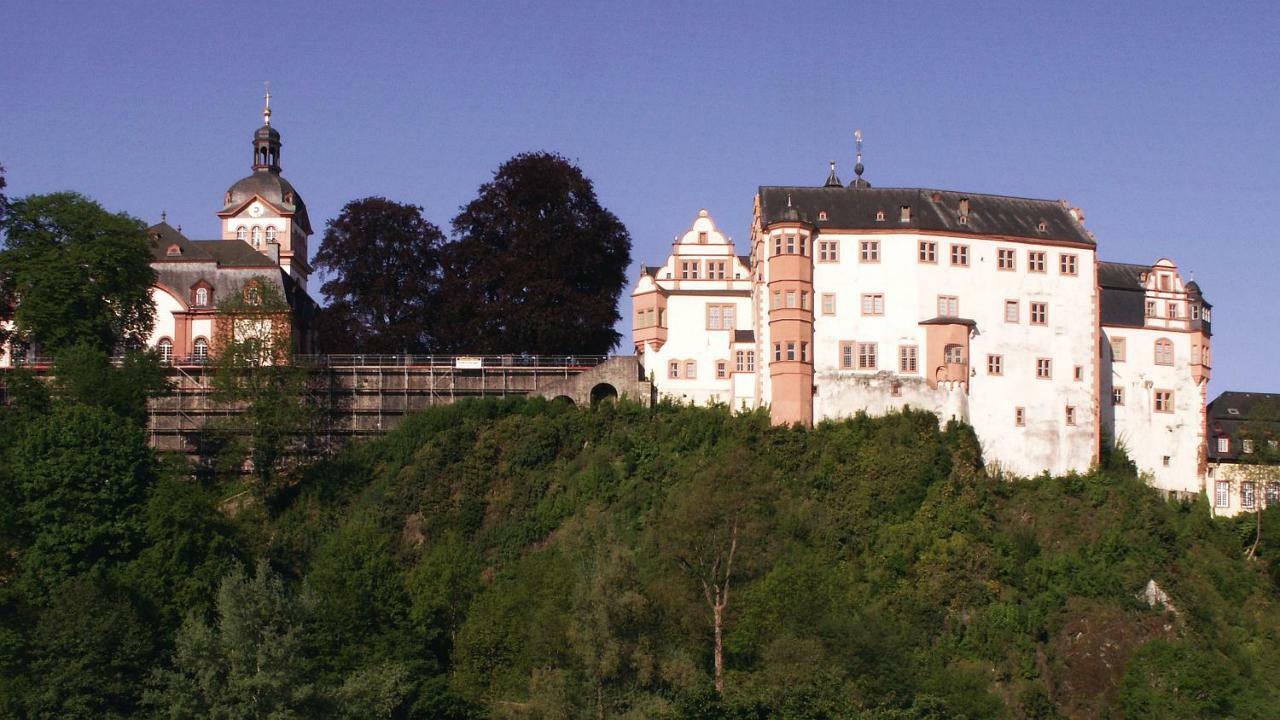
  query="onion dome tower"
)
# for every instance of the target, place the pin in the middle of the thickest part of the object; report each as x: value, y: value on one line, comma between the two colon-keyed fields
x: 264, y: 210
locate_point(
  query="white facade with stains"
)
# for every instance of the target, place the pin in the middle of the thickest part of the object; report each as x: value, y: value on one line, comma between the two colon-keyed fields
x: 980, y: 308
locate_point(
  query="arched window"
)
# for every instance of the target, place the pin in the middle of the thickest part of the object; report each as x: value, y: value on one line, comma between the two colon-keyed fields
x: 242, y: 234
x: 1164, y: 352
x: 202, y: 297
x: 166, y: 351
x: 200, y: 350
x: 271, y: 234
x: 257, y: 236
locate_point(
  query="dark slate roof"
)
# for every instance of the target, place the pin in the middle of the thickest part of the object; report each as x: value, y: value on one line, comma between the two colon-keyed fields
x: 1123, y: 295
x: 1232, y: 412
x: 1232, y: 405
x: 1122, y: 276
x: 745, y: 259
x: 856, y: 208
x: 236, y: 253
x: 744, y: 336
x: 271, y: 186
x: 650, y: 270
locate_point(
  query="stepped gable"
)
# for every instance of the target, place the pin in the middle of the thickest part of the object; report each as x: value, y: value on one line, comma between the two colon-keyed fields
x: 856, y: 208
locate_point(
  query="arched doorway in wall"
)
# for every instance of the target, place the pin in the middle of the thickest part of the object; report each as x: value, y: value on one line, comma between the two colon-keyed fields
x: 563, y: 400
x: 604, y: 392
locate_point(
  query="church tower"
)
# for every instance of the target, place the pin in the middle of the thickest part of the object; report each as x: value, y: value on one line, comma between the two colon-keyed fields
x: 265, y: 211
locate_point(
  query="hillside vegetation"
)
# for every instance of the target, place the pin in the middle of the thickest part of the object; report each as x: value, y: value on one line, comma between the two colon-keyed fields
x: 523, y: 559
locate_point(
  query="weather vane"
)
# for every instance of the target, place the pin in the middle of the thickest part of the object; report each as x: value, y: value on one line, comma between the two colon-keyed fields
x: 266, y: 111
x: 857, y: 137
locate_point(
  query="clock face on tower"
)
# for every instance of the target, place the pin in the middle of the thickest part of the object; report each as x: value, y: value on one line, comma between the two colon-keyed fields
x: 256, y: 209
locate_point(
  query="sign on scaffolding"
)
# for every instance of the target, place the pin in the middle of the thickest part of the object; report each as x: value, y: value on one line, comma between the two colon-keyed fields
x: 469, y: 363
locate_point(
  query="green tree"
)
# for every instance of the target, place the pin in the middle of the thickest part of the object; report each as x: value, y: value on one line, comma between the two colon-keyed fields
x: 715, y: 528
x: 382, y: 260
x: 88, y: 651
x: 76, y: 273
x: 248, y: 663
x: 537, y: 265
x: 1259, y: 467
x: 83, y: 374
x: 270, y: 412
x: 82, y: 478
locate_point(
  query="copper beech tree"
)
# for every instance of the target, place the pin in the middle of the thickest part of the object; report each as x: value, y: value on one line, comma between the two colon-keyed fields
x: 536, y: 266
x: 382, y: 260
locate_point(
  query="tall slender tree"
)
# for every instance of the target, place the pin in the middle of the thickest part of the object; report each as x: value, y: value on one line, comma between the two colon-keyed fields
x: 383, y: 262
x: 537, y: 264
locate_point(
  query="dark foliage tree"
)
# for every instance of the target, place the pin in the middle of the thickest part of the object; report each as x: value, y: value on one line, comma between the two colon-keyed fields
x: 88, y: 650
x: 81, y: 478
x: 537, y: 265
x: 383, y: 261
x: 4, y: 201
x: 73, y: 272
x: 84, y: 375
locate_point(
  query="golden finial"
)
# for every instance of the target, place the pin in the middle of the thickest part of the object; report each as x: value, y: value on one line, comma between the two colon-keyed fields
x: 266, y: 111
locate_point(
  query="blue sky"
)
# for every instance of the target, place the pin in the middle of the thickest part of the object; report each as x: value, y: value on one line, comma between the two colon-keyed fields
x: 1158, y: 119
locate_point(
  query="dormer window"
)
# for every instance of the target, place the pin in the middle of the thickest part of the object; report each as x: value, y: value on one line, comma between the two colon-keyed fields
x: 822, y: 215
x: 173, y: 250
x: 879, y: 216
x: 201, y: 297
x: 905, y: 213
x: 702, y: 238
x: 242, y: 233
x: 964, y: 207
x: 271, y: 235
x: 1043, y: 226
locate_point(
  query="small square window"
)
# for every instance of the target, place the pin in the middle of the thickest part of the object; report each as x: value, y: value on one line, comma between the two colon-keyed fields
x: 1006, y: 259
x: 1020, y: 416
x: 1039, y: 313
x: 1036, y: 261
x: 928, y: 251
x: 1078, y: 373
x: 1067, y: 264
x: 995, y: 364
x: 828, y: 304
x: 1117, y: 396
x: 960, y: 255
x: 908, y: 359
x: 1011, y: 312
x: 869, y: 251
x: 1164, y: 401
x: 1071, y: 415
x: 1044, y: 368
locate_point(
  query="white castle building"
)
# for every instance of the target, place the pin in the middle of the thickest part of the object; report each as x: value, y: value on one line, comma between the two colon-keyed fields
x: 988, y: 309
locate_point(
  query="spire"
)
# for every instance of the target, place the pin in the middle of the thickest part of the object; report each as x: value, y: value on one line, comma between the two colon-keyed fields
x: 833, y: 180
x: 858, y: 182
x: 266, y: 141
